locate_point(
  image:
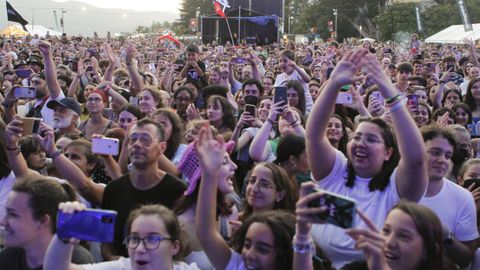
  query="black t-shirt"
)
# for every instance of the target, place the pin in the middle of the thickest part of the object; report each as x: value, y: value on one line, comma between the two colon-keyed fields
x: 120, y: 195
x: 192, y: 74
x: 14, y: 258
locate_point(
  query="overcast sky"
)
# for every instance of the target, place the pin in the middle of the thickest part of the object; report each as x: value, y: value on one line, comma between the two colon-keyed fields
x: 139, y: 5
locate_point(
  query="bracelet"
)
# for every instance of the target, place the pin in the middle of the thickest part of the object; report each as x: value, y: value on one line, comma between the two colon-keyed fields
x: 271, y: 121
x: 13, y: 149
x: 398, y: 105
x: 303, y: 247
x: 392, y: 99
x: 55, y: 154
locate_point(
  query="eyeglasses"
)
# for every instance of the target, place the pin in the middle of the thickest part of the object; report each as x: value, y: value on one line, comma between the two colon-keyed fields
x: 369, y: 139
x: 144, y: 140
x: 260, y: 184
x: 94, y: 100
x: 150, y: 242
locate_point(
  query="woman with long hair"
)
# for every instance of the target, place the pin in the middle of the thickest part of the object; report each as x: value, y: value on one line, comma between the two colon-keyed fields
x: 96, y: 123
x: 375, y: 172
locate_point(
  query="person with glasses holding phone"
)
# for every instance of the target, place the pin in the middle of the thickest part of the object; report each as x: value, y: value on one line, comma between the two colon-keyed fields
x: 153, y: 241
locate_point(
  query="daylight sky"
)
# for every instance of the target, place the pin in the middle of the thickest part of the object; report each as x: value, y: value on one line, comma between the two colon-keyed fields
x: 138, y: 5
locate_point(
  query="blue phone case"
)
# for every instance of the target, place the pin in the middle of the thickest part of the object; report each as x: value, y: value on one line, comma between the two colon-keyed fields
x: 89, y: 225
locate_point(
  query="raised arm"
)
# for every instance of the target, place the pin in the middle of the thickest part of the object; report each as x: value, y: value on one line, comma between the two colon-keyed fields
x: 15, y: 158
x: 112, y: 61
x: 137, y: 80
x: 59, y: 253
x: 72, y: 89
x: 69, y: 171
x: 320, y: 152
x: 259, y: 147
x: 54, y: 89
x: 211, y: 155
x: 411, y: 176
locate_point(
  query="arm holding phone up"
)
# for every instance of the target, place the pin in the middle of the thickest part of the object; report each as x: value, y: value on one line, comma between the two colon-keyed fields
x: 54, y: 89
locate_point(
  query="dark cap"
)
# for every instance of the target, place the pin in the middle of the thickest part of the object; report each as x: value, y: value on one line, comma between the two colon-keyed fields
x: 67, y: 102
x: 35, y: 59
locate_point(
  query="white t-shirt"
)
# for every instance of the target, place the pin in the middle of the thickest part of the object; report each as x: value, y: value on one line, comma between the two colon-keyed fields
x: 6, y: 185
x: 455, y: 208
x: 47, y: 114
x: 337, y: 245
x: 283, y: 77
x: 125, y: 264
x: 235, y: 262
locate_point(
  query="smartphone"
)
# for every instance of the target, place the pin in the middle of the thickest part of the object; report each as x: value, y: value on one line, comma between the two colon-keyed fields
x: 280, y: 95
x: 431, y: 67
x: 412, y: 102
x: 23, y: 73
x: 31, y: 125
x: 239, y: 60
x: 468, y: 182
x: 329, y: 72
x: 378, y: 96
x: 341, y: 210
x: 24, y: 92
x: 105, y: 146
x: 89, y: 225
x: 344, y: 98
x: 451, y: 68
x: 251, y: 109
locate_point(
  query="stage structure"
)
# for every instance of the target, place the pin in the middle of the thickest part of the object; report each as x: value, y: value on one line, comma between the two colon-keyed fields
x: 247, y: 27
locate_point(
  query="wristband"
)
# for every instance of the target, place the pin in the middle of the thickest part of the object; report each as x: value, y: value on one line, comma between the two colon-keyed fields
x: 303, y: 247
x: 392, y: 99
x: 270, y: 121
x: 55, y: 154
x: 398, y: 105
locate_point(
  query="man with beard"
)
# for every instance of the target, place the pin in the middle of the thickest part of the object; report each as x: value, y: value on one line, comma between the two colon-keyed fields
x: 66, y: 114
x: 46, y: 87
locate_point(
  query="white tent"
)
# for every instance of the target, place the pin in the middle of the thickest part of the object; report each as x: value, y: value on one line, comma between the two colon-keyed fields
x: 41, y: 30
x: 455, y: 34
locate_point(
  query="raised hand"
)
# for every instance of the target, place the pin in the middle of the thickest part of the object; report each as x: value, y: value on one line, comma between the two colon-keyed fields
x: 44, y: 47
x: 275, y: 110
x: 211, y: 152
x: 346, y: 69
x: 130, y: 53
x: 13, y: 132
x: 46, y: 139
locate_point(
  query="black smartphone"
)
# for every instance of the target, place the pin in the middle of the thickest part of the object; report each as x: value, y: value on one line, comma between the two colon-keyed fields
x: 431, y: 67
x: 341, y: 210
x: 412, y: 102
x: 23, y: 73
x: 451, y: 68
x: 329, y: 72
x: 280, y: 95
x: 89, y: 225
x: 468, y: 182
x: 251, y: 110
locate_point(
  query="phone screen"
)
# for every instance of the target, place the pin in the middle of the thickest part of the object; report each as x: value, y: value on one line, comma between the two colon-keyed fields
x: 412, y: 102
x: 341, y: 210
x: 280, y: 95
x: 89, y: 225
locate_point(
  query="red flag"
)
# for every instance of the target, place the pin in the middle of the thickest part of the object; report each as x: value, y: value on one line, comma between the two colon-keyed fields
x: 218, y: 9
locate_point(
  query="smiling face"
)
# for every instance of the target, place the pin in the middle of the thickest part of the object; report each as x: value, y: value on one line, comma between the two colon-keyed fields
x: 334, y: 129
x: 404, y: 248
x: 367, y: 150
x: 159, y: 258
x: 146, y: 102
x: 461, y: 116
x: 439, y: 153
x: 21, y: 229
x: 263, y: 109
x: 227, y: 170
x: 261, y: 189
x: 258, y: 250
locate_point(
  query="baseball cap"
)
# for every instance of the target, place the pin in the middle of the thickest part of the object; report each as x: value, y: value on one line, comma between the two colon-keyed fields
x: 66, y: 102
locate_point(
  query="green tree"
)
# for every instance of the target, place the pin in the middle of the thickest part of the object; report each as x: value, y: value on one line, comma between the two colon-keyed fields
x: 396, y: 18
x: 189, y: 8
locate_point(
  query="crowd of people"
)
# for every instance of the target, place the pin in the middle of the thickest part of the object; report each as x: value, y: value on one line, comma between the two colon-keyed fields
x: 214, y: 170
